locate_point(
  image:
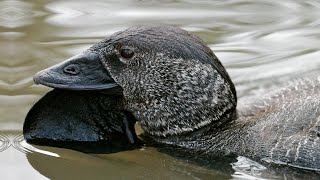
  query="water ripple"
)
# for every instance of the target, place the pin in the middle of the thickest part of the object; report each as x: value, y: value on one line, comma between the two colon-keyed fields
x: 17, y: 142
x: 263, y: 44
x: 15, y: 14
x: 4, y: 142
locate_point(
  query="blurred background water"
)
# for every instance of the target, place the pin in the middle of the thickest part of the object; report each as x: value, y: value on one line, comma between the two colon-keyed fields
x: 262, y: 43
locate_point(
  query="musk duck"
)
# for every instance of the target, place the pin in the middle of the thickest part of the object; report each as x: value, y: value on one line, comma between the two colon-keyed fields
x: 181, y: 95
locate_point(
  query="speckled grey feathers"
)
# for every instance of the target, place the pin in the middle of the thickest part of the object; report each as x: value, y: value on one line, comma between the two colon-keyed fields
x: 174, y: 84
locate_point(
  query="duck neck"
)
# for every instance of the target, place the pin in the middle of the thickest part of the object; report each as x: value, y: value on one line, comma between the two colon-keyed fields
x: 217, y: 136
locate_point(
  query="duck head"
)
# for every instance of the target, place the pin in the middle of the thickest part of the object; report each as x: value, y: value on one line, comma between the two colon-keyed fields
x: 170, y: 80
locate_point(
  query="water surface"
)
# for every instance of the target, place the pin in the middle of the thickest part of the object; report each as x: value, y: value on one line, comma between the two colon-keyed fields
x: 263, y: 44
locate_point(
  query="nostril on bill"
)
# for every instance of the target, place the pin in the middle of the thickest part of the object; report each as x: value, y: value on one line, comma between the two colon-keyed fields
x: 71, y: 69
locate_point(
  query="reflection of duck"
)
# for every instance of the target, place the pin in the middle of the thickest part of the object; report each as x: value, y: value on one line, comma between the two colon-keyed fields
x: 181, y: 95
x: 136, y: 164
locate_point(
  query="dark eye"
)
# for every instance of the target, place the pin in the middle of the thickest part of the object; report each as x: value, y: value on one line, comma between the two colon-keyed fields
x: 127, y: 53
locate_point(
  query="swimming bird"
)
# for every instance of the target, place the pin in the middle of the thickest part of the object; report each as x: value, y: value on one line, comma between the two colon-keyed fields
x: 181, y: 95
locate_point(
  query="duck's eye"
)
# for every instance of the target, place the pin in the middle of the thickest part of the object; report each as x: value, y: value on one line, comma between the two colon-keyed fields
x: 126, y: 53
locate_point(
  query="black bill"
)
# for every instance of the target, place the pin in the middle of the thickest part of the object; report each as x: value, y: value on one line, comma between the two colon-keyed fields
x: 81, y: 72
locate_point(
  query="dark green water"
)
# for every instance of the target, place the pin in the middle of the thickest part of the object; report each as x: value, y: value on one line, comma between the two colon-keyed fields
x: 263, y: 44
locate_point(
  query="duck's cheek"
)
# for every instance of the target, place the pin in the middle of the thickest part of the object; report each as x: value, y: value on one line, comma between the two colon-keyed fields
x: 122, y: 76
x: 113, y: 65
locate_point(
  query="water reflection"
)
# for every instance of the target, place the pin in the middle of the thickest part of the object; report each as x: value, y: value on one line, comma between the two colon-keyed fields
x: 138, y: 164
x: 14, y: 14
x: 263, y: 44
x: 4, y: 142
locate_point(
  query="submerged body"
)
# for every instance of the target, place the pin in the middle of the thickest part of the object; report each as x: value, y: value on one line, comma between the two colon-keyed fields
x: 281, y: 128
x: 181, y: 95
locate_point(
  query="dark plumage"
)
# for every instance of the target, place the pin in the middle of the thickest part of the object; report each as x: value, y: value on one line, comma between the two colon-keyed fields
x: 181, y: 95
x: 83, y: 121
